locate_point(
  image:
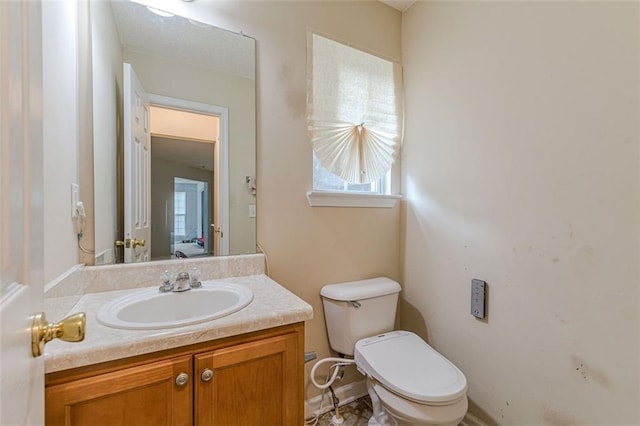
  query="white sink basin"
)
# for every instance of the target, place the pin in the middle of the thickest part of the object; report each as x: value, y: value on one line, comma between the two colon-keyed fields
x: 149, y: 309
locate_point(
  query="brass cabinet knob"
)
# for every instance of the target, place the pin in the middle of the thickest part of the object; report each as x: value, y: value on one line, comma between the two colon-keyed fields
x: 135, y: 243
x: 206, y: 375
x: 70, y: 329
x: 182, y: 379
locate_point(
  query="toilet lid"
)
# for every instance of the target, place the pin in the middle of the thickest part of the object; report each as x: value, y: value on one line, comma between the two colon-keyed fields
x: 407, y: 365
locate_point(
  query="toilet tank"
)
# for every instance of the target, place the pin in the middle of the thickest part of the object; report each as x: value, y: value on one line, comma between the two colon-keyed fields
x: 358, y: 309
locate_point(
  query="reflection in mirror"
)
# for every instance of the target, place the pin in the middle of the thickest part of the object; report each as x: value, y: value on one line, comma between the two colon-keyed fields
x: 182, y: 178
x: 201, y: 187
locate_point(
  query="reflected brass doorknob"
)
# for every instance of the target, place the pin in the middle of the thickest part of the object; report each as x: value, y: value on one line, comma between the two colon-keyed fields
x: 126, y: 243
x: 131, y: 242
x: 135, y: 243
x: 70, y: 329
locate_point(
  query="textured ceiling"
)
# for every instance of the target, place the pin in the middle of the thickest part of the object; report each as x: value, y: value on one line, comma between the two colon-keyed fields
x: 400, y: 5
x: 182, y: 39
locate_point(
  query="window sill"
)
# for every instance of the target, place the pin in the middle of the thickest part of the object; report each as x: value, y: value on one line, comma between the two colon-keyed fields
x: 351, y: 199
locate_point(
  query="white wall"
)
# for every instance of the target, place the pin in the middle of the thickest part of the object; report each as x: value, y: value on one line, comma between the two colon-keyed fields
x: 520, y: 167
x: 107, y: 88
x: 60, y: 134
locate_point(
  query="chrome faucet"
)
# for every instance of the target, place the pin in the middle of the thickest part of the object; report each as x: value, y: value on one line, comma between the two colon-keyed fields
x: 184, y: 282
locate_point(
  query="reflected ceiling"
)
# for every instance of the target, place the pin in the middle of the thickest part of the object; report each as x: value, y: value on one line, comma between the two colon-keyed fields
x: 183, y: 40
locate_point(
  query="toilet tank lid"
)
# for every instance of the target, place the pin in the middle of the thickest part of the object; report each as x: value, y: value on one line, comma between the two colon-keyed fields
x: 363, y: 289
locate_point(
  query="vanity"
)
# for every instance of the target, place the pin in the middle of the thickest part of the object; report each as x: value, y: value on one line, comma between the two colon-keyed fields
x: 246, y: 368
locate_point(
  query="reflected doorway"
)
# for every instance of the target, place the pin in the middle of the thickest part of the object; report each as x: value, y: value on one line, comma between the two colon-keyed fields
x: 183, y: 183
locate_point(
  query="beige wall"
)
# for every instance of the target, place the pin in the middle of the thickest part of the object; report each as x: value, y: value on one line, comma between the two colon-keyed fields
x: 310, y: 247
x: 520, y: 167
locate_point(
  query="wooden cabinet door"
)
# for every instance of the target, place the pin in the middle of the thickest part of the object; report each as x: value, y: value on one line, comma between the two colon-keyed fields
x: 256, y: 383
x: 141, y: 395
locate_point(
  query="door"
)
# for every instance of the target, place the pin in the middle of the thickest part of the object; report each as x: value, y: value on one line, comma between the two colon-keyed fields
x: 250, y: 384
x: 137, y: 170
x: 21, y: 211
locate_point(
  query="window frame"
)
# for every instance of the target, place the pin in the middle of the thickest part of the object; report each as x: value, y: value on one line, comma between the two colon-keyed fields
x: 176, y: 215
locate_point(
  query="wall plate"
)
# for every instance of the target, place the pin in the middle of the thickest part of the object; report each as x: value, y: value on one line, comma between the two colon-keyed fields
x: 478, y: 288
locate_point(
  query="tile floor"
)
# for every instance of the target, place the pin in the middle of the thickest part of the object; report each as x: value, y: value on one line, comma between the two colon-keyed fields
x: 356, y: 413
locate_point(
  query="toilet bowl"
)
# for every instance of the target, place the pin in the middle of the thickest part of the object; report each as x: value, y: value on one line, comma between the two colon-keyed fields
x: 409, y: 382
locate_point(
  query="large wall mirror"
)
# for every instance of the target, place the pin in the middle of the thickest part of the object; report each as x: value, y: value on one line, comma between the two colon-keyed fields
x: 174, y: 136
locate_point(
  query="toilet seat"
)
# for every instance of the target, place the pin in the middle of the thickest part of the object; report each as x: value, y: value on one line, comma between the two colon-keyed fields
x: 406, y: 365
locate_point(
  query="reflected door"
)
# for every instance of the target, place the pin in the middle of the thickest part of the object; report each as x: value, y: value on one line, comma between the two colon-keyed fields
x: 137, y: 170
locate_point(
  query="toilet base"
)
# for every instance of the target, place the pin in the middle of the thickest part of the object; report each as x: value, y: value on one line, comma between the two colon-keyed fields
x: 391, y: 410
x: 374, y: 422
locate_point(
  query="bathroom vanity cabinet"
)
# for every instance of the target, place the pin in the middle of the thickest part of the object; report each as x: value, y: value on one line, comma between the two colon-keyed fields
x: 250, y: 379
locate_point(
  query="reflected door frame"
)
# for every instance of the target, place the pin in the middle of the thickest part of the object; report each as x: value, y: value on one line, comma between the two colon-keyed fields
x: 221, y: 165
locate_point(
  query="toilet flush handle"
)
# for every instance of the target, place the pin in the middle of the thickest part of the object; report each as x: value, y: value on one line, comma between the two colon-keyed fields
x: 355, y: 304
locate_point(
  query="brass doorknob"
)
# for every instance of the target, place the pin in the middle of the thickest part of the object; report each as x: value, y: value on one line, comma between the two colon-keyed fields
x: 135, y: 243
x: 70, y: 329
x: 126, y: 243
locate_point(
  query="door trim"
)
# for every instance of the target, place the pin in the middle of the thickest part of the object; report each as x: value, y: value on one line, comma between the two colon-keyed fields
x: 221, y: 173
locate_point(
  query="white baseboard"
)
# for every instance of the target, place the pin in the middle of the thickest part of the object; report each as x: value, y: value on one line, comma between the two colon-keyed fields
x: 471, y: 420
x: 105, y: 257
x: 352, y: 391
x: 60, y: 279
x: 346, y: 394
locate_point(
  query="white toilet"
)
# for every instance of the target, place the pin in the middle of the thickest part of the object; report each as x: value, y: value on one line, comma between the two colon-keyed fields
x: 409, y: 382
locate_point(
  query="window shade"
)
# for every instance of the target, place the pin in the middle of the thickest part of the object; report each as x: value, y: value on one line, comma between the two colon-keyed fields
x: 354, y: 110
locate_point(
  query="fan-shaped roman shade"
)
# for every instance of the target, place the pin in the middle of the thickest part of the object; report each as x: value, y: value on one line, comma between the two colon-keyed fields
x: 354, y: 110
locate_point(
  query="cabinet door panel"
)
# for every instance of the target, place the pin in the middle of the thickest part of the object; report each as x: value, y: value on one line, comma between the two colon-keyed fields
x: 256, y: 383
x: 142, y: 395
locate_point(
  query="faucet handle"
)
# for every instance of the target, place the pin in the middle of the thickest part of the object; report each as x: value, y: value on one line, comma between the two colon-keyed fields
x: 166, y: 282
x: 195, y: 278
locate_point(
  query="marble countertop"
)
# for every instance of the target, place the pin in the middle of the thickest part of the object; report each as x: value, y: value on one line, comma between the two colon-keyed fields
x: 272, y: 306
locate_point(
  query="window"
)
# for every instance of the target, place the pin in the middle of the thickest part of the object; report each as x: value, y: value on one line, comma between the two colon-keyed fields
x: 354, y: 116
x: 325, y: 180
x: 180, y: 213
